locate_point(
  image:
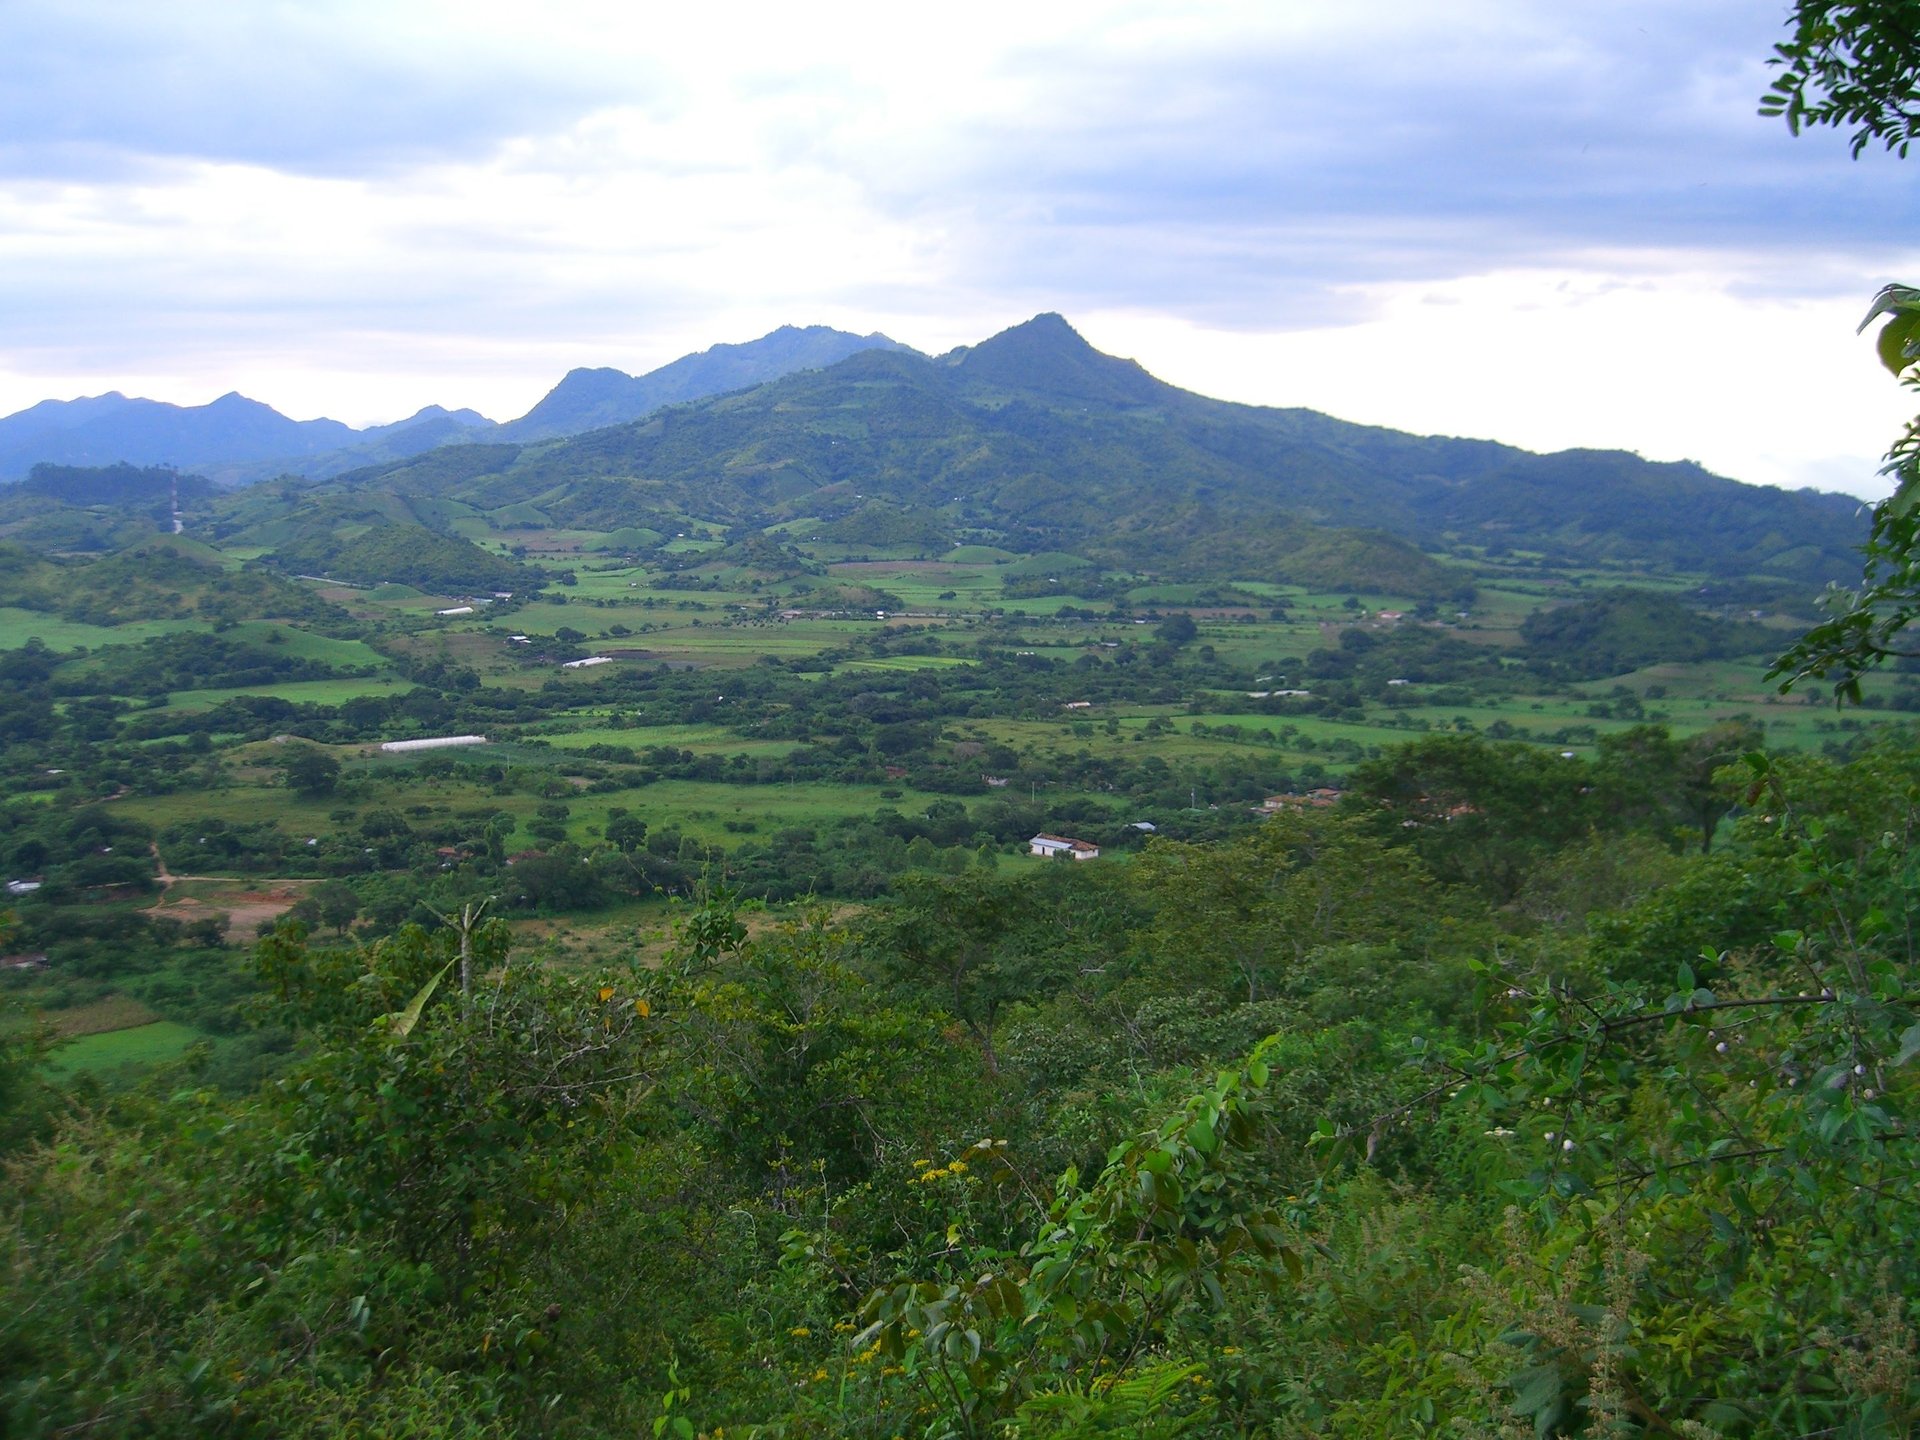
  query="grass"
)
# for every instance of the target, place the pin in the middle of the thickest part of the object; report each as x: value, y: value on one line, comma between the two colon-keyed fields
x: 909, y: 662
x: 141, y: 1045
x: 298, y: 692
x: 306, y: 645
x: 19, y: 626
x: 701, y: 739
x: 701, y: 807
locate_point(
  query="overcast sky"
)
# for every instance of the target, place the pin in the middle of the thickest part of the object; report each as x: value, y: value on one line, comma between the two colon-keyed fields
x: 1542, y: 223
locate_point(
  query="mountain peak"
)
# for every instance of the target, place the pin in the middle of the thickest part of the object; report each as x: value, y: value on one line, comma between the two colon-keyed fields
x: 1048, y: 355
x: 590, y: 398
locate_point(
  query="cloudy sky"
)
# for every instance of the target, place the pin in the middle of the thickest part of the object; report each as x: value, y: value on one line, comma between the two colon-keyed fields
x: 1543, y: 223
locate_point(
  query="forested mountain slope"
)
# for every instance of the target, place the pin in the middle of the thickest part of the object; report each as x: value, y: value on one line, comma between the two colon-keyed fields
x: 1036, y: 441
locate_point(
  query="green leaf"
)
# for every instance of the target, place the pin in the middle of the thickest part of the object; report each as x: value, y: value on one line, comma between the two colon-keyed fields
x: 1909, y: 1045
x: 400, y: 1024
x: 1891, y: 300
x: 1896, y: 341
x: 1536, y: 1389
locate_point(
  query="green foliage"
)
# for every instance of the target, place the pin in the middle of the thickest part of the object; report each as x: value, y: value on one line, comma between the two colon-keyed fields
x: 161, y: 577
x: 1169, y: 1222
x: 311, y: 771
x: 1620, y: 630
x: 1850, y: 64
x: 1721, y: 1170
x: 1865, y: 626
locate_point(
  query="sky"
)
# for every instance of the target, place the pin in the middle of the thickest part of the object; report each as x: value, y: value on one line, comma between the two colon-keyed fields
x: 1548, y: 224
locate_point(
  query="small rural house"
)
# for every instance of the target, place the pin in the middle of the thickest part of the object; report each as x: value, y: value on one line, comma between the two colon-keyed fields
x: 1052, y: 847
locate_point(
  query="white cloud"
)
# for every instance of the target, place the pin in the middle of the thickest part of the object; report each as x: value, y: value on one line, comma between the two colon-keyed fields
x: 362, y: 207
x: 1676, y: 366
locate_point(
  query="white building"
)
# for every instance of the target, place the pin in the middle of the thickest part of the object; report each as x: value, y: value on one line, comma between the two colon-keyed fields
x: 1052, y: 847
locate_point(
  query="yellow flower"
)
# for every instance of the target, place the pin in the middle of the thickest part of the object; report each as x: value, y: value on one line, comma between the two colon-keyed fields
x: 820, y: 1374
x: 800, y: 1332
x: 958, y: 1167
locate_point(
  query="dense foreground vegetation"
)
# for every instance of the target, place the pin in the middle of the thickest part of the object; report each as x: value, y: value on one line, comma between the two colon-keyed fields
x: 1334, y: 1128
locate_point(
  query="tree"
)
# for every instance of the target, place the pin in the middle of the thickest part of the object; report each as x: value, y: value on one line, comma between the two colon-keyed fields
x: 311, y: 771
x: 1177, y: 629
x: 627, y: 833
x: 1853, y: 63
x: 338, y: 906
x: 1865, y: 626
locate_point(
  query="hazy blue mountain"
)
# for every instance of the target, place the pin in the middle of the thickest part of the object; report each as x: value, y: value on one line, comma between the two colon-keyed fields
x: 425, y: 430
x: 238, y: 441
x: 431, y: 419
x: 590, y: 399
x: 112, y: 429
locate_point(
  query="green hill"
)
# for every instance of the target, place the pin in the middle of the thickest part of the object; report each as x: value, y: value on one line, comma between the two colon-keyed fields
x: 1621, y: 630
x: 407, y: 554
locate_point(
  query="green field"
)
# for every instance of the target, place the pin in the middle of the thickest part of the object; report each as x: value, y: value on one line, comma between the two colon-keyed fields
x: 19, y: 626
x: 700, y: 739
x: 142, y: 1045
x: 299, y: 692
x: 701, y: 807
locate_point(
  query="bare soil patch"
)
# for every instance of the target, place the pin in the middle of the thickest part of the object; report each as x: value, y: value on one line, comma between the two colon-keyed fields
x: 247, y: 904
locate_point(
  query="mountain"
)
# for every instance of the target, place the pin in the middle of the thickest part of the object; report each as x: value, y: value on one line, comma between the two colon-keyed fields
x: 426, y: 429
x: 239, y: 441
x: 1035, y: 441
x: 109, y: 429
x: 589, y: 399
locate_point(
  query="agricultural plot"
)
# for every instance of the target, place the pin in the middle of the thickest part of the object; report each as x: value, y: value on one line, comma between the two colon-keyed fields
x: 136, y: 1048
x: 299, y: 692
x: 18, y: 626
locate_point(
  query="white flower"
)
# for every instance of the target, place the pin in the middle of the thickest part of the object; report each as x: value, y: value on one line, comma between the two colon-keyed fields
x: 1566, y: 1144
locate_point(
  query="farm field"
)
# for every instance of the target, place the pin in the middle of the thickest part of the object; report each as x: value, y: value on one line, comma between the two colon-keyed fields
x: 300, y: 692
x: 134, y: 1048
x: 18, y: 627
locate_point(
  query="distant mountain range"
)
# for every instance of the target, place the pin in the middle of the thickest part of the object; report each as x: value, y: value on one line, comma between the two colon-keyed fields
x: 1032, y: 441
x: 235, y: 440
